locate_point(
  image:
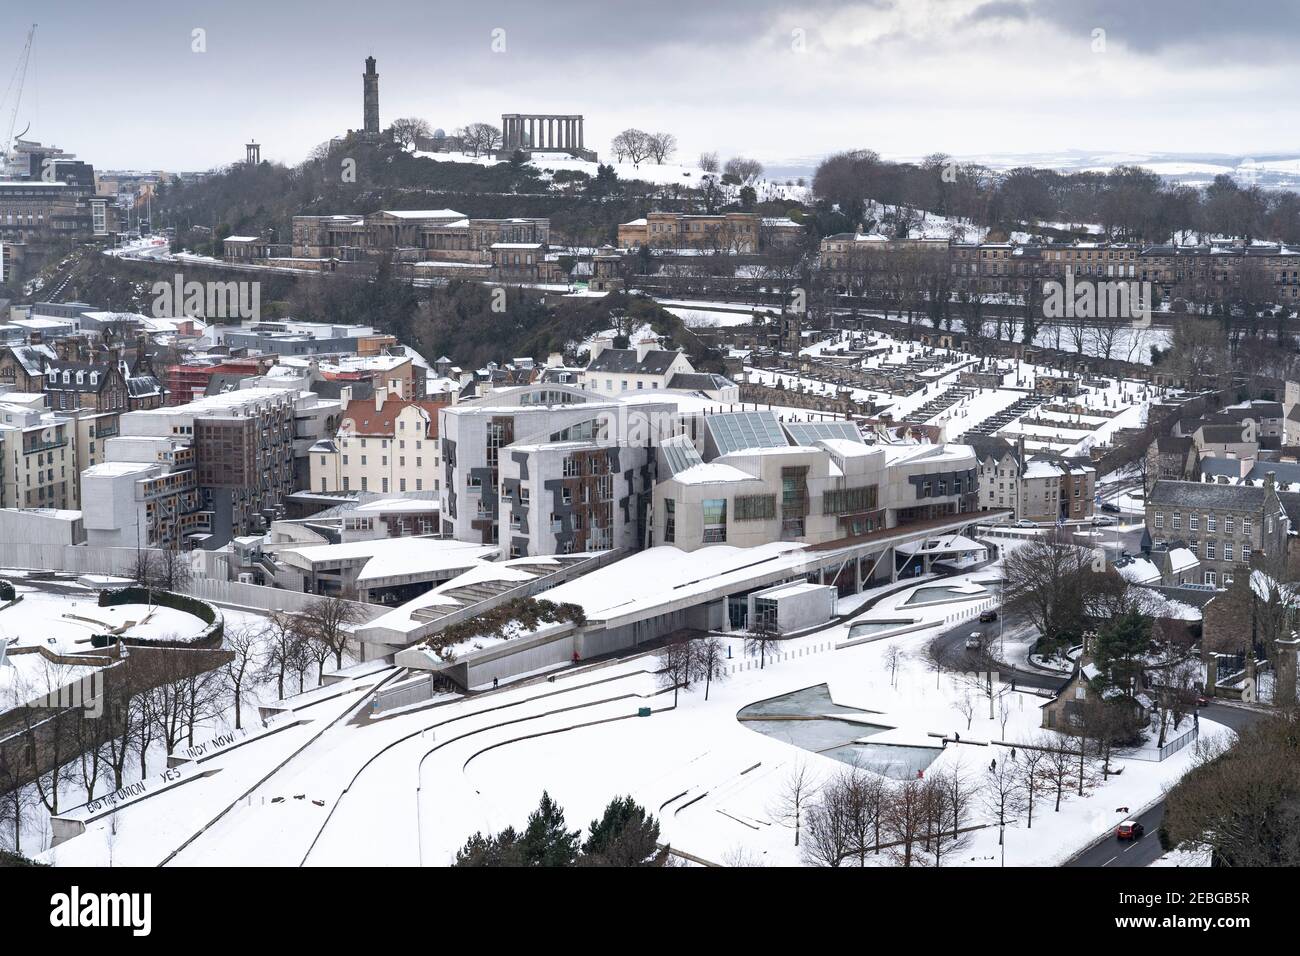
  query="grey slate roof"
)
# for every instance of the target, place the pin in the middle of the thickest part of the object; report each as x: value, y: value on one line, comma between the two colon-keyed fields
x: 701, y: 381
x: 101, y: 373
x: 1199, y: 494
x: 1222, y: 434
x: 656, y: 361
x: 989, y: 447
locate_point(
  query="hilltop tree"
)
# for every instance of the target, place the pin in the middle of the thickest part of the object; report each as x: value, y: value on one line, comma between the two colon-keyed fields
x: 662, y: 146
x: 745, y: 170
x: 409, y: 130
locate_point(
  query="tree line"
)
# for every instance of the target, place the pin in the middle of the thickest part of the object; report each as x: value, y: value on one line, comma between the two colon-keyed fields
x: 1130, y: 203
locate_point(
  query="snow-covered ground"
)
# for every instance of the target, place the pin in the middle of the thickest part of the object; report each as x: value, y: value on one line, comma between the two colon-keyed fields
x: 1093, y: 418
x: 63, y: 623
x: 660, y: 174
x: 419, y: 782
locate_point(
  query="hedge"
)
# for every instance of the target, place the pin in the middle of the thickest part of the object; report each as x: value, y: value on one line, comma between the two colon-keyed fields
x: 7, y: 592
x: 134, y: 594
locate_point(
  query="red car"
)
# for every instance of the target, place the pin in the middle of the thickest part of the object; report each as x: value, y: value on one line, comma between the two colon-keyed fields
x: 1129, y: 830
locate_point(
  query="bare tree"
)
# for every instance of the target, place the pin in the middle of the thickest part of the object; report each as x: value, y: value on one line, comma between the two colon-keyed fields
x: 1058, y: 766
x: 479, y: 138
x: 1003, y: 794
x: 132, y: 726
x: 243, y: 669
x: 632, y: 146
x: 906, y: 818
x: 947, y: 796
x: 933, y: 657
x: 327, y: 623
x: 894, y: 656
x: 282, y: 642
x: 830, y: 823
x: 661, y: 146
x: 1030, y: 763
x: 797, y: 791
x: 205, y: 696
x: 708, y: 162
x: 966, y: 707
x: 676, y: 664
x: 409, y: 130
x: 174, y: 570
x: 708, y: 661
x: 15, y: 804
x: 760, y: 638
x: 745, y: 170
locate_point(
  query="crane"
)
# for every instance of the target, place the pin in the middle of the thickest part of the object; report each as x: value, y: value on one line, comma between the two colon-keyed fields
x: 19, y: 79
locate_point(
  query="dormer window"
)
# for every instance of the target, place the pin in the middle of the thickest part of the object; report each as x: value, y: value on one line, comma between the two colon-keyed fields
x: 67, y: 377
x: 94, y: 378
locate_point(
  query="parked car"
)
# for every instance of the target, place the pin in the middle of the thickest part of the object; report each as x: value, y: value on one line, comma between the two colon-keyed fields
x: 1025, y: 524
x: 1110, y: 508
x: 1202, y: 700
x: 988, y: 616
x: 1129, y: 830
x: 975, y: 641
x: 1103, y: 520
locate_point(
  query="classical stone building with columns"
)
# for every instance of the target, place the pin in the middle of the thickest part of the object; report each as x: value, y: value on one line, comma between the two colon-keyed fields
x: 531, y: 133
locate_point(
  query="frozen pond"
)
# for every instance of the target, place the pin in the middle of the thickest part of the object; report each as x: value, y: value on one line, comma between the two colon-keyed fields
x: 806, y: 718
x: 898, y: 763
x: 943, y: 593
x: 863, y: 628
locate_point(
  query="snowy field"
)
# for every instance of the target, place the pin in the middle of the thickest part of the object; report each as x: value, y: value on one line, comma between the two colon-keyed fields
x: 63, y: 623
x: 419, y: 782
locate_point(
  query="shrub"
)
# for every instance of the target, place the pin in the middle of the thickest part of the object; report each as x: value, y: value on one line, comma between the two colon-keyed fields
x: 528, y: 614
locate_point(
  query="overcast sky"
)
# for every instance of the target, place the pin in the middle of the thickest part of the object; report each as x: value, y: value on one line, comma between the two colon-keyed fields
x: 117, y: 82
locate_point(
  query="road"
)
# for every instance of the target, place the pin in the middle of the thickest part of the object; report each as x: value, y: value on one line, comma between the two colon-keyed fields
x: 950, y: 647
x: 1145, y: 850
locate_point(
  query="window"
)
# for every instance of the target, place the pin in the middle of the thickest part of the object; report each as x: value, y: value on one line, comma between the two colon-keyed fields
x: 1211, y: 522
x: 1193, y: 522
x: 1178, y: 521
x: 1160, y: 520
x: 670, y: 521
x: 1210, y: 578
x: 715, y: 520
x: 1228, y: 522
x: 1209, y: 550
x: 755, y: 507
x: 1227, y: 551
x: 1245, y: 554
x: 1246, y: 525
x: 849, y: 500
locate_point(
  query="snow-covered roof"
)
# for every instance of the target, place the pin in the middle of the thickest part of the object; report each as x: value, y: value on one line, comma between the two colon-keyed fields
x: 711, y: 473
x: 1140, y: 571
